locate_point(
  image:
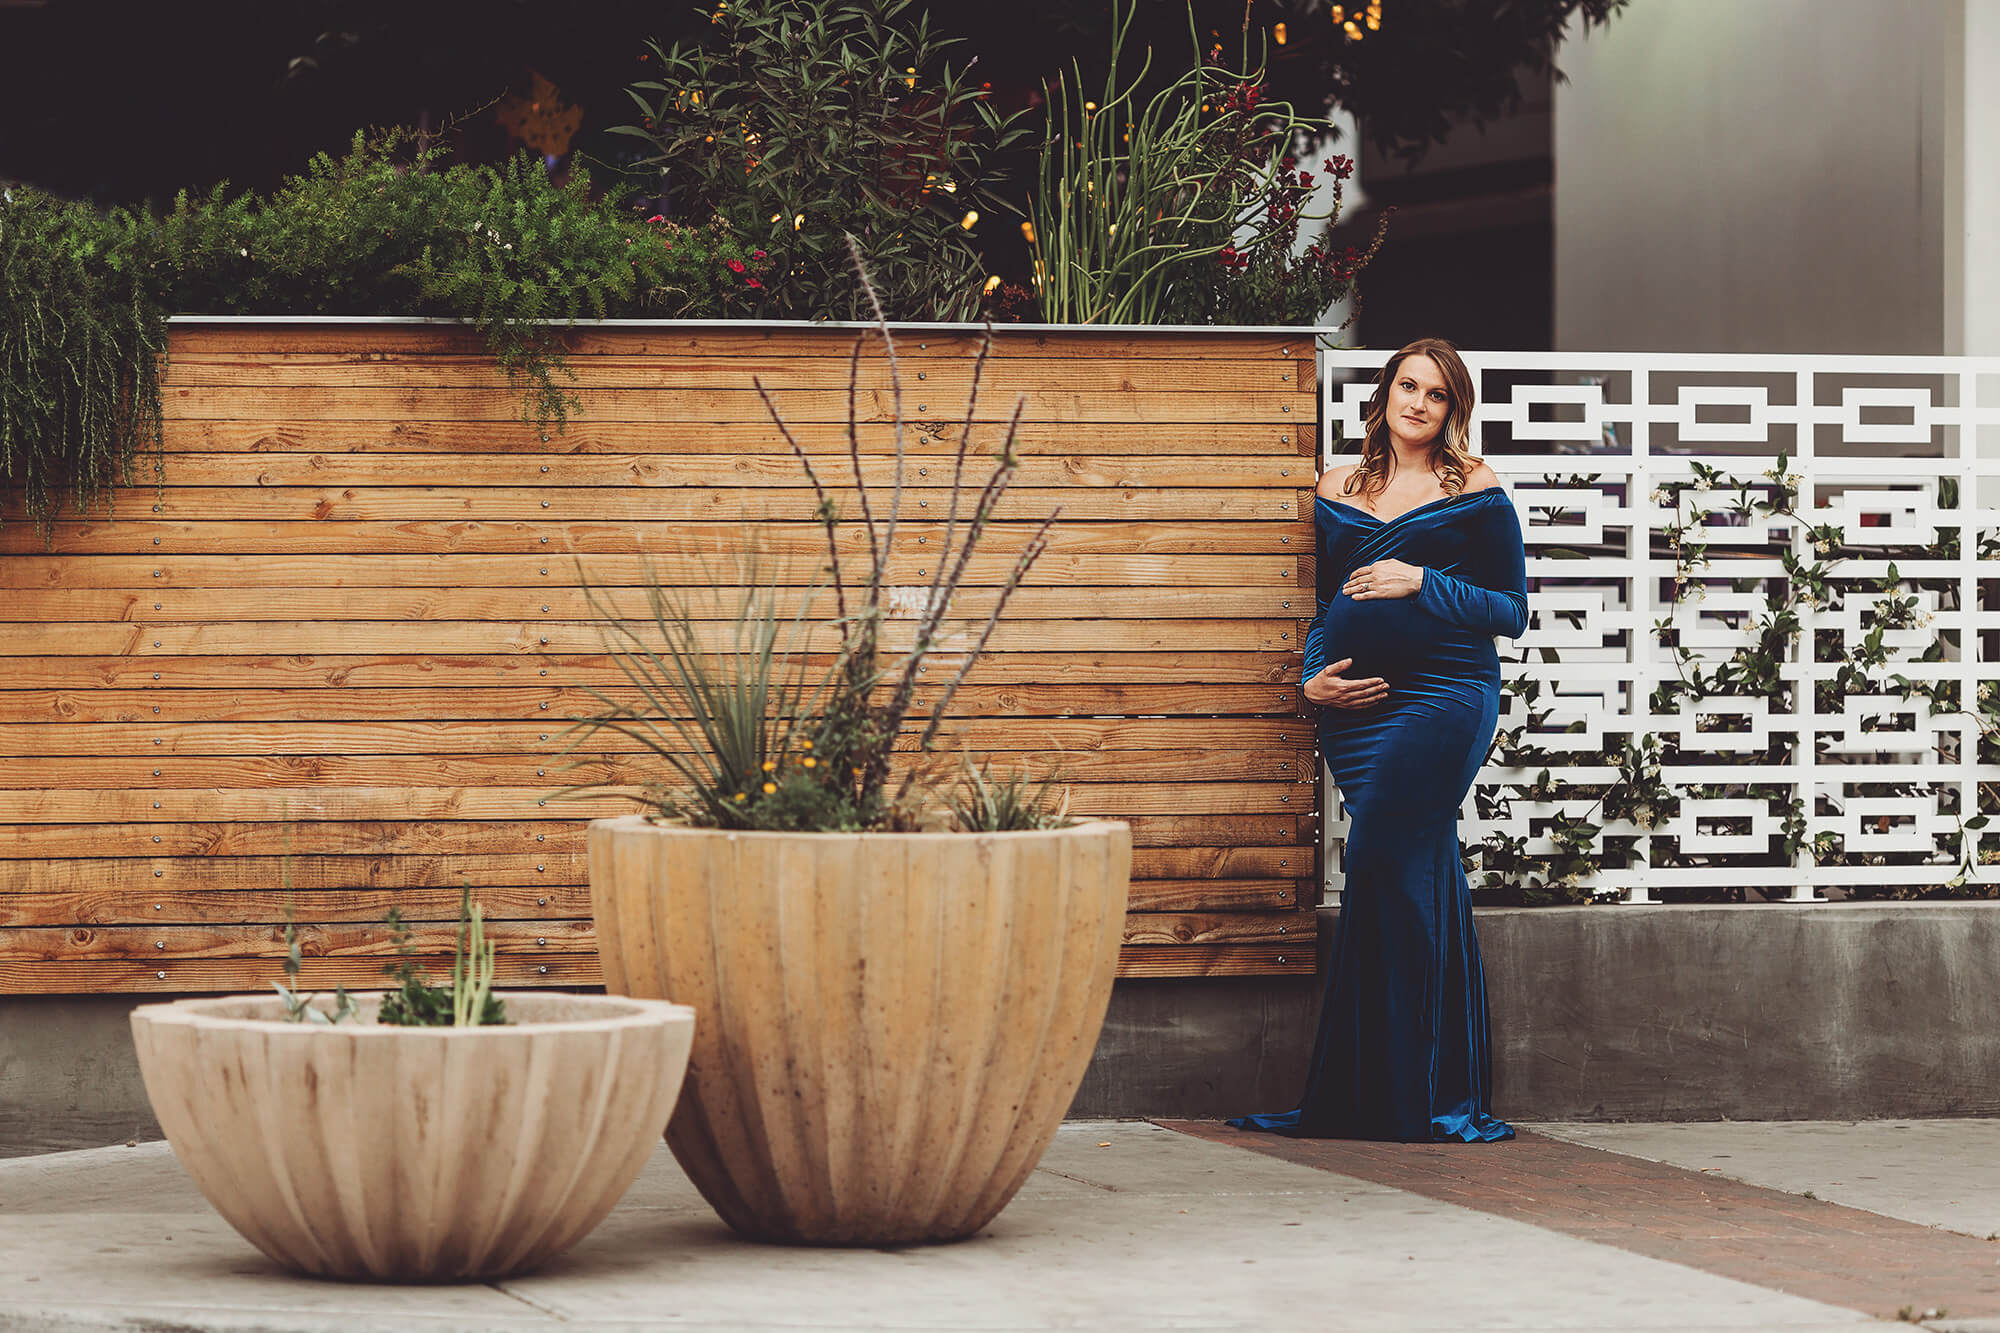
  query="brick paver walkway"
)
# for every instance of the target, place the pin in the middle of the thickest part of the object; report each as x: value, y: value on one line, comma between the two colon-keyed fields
x: 1785, y: 1242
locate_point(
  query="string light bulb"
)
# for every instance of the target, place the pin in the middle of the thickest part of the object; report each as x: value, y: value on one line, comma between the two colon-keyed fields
x: 991, y: 283
x: 1278, y: 33
x: 1028, y: 232
x: 970, y: 220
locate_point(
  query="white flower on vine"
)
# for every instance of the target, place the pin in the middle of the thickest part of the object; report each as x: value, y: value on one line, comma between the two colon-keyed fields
x: 1920, y: 618
x: 244, y: 251
x: 1697, y: 592
x: 1660, y: 496
x: 1822, y: 547
x: 1699, y: 484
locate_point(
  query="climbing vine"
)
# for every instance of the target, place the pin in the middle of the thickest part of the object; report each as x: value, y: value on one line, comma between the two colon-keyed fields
x: 1591, y: 827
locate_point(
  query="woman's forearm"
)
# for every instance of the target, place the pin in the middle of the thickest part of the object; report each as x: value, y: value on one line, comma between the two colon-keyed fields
x: 1472, y: 607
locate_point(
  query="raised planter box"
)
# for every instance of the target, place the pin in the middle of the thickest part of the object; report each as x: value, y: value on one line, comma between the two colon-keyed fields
x: 338, y: 647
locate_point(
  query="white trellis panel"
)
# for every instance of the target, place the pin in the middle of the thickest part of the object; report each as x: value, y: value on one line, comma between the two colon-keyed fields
x: 1585, y: 443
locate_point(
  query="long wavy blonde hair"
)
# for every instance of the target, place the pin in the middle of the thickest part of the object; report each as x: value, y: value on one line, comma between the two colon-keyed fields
x: 1451, y: 453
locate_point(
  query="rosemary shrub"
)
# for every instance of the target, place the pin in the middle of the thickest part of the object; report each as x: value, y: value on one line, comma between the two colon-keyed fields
x: 387, y: 228
x: 802, y: 124
x: 82, y: 331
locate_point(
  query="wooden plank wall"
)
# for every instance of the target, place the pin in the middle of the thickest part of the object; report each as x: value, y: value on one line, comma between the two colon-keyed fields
x: 327, y: 662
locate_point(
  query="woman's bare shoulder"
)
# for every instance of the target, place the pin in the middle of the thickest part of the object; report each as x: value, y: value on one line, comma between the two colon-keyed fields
x: 1333, y: 481
x: 1480, y: 477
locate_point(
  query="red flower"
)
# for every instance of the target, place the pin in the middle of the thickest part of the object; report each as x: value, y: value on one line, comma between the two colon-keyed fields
x: 735, y: 266
x: 756, y: 254
x: 753, y: 283
x: 657, y: 217
x: 1305, y: 180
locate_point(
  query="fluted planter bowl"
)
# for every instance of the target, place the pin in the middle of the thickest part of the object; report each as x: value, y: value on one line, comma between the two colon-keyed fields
x: 414, y: 1154
x: 893, y: 1024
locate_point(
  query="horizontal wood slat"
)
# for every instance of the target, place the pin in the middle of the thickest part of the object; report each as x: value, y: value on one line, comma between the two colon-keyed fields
x: 998, y: 736
x: 169, y: 605
x: 182, y: 507
x: 801, y: 544
x: 1159, y: 402
x: 378, y: 342
x: 925, y: 377
x: 1191, y: 835
x: 470, y: 570
x: 734, y: 470
x: 323, y: 663
x: 335, y: 703
x: 406, y: 443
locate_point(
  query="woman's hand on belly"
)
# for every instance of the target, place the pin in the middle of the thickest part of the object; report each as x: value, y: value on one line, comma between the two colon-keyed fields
x: 1383, y: 580
x: 1330, y: 689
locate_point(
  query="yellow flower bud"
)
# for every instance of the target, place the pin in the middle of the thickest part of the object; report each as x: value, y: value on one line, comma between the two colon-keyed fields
x: 770, y: 787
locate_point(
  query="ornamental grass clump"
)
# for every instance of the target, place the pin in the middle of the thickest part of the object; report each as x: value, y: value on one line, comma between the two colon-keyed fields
x: 754, y: 734
x: 1185, y: 206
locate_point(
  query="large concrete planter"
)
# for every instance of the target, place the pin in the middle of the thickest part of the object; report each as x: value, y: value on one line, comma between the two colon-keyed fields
x: 413, y: 1154
x: 892, y: 1024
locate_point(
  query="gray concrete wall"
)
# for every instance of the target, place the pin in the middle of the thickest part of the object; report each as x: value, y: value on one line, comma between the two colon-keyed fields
x: 68, y: 1077
x: 1766, y: 177
x: 1837, y: 1011
x: 1829, y: 1012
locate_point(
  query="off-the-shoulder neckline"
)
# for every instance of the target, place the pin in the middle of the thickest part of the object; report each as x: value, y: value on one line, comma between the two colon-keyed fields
x: 1385, y: 522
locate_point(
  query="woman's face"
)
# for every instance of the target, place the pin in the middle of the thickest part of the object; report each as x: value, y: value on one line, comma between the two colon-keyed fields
x: 1418, y: 403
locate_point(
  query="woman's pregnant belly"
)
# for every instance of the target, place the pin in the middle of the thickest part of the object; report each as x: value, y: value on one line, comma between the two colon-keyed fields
x: 1406, y: 646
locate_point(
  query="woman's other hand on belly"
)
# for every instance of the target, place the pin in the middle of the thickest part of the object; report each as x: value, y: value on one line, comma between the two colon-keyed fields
x: 1330, y: 689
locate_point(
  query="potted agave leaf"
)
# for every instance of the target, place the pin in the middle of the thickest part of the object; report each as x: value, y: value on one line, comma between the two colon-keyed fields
x: 900, y: 988
x: 422, y: 1134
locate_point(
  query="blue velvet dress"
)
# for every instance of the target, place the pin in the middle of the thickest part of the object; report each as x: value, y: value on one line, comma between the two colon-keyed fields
x: 1402, y: 1051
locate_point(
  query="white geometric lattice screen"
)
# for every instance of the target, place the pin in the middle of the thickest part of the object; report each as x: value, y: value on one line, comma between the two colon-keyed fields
x: 1806, y: 767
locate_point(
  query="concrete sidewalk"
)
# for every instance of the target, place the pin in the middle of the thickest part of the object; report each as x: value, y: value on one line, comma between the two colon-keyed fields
x: 1131, y: 1225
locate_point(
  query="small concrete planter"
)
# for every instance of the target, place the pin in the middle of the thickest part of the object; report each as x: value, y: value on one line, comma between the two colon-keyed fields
x: 413, y: 1154
x: 892, y: 1023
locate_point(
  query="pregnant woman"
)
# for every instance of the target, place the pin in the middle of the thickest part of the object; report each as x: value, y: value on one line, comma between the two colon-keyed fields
x: 1419, y: 566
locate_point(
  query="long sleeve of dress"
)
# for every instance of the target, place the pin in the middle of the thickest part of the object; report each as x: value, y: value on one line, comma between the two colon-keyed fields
x: 1316, y: 658
x: 1498, y: 603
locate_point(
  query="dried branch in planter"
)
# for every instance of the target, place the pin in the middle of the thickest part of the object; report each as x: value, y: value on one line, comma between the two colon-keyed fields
x: 766, y: 747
